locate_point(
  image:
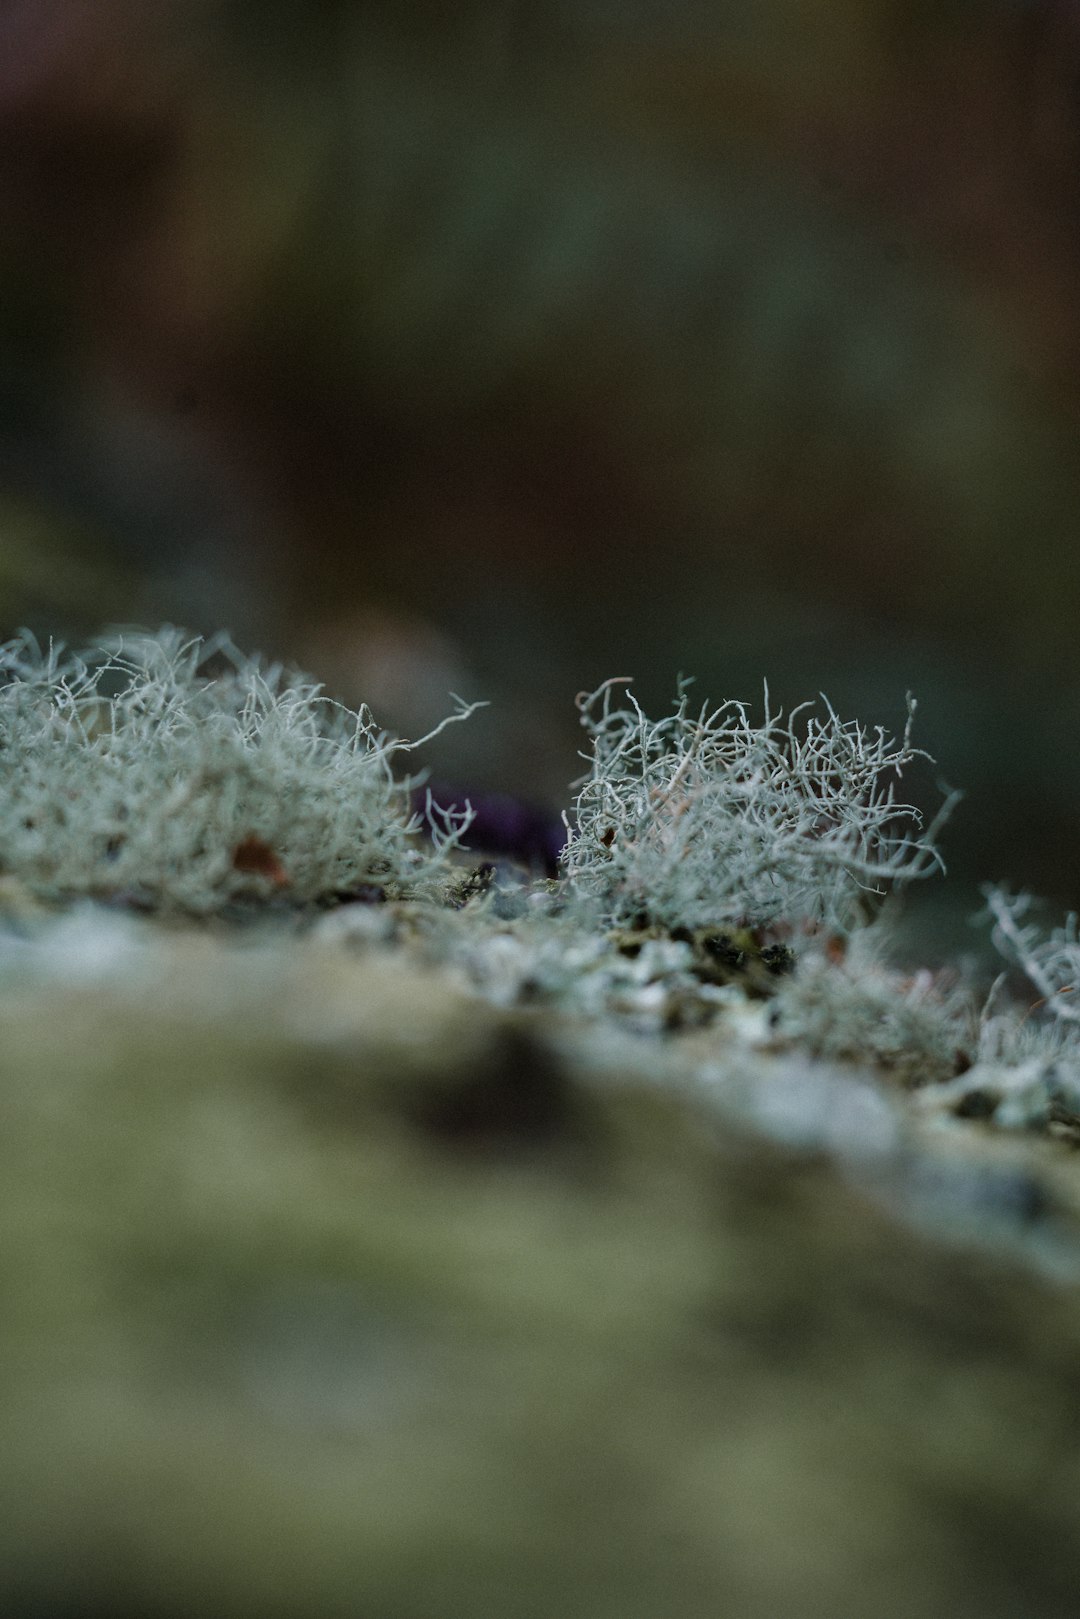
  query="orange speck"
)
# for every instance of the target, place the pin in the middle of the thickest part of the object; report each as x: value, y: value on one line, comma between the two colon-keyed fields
x: 254, y: 857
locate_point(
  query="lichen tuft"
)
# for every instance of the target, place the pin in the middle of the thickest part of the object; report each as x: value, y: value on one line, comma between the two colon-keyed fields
x: 183, y: 775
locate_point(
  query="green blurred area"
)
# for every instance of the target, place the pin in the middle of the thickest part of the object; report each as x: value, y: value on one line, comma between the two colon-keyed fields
x: 508, y: 349
x: 335, y: 1292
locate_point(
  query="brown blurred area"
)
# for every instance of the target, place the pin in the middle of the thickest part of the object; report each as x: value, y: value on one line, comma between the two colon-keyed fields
x: 506, y: 348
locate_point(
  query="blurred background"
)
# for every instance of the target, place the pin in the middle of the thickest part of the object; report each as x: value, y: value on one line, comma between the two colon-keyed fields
x: 501, y: 348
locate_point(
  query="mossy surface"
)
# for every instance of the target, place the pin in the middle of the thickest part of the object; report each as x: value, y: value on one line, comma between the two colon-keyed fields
x: 331, y: 1287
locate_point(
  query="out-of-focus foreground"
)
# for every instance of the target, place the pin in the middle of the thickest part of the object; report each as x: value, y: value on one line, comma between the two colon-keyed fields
x: 332, y: 1288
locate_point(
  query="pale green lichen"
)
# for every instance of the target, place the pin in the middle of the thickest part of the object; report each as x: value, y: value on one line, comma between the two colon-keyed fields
x: 918, y: 1026
x: 709, y: 859
x: 184, y: 775
x: 1050, y: 960
x: 704, y: 817
x: 1027, y: 1072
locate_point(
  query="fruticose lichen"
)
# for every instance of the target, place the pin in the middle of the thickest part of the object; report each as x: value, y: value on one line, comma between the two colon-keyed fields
x: 180, y: 774
x: 711, y: 862
x: 704, y: 817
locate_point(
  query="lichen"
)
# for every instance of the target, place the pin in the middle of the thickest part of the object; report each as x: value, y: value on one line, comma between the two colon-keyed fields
x: 183, y: 775
x: 704, y: 818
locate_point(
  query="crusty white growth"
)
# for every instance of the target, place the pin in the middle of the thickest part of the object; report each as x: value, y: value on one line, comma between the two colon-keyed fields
x: 704, y: 817
x: 184, y: 774
x: 861, y: 1010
